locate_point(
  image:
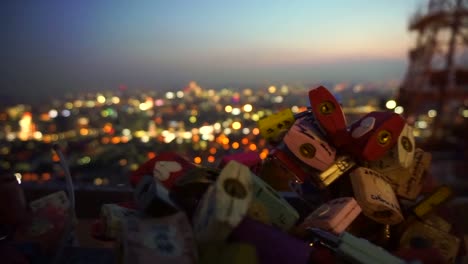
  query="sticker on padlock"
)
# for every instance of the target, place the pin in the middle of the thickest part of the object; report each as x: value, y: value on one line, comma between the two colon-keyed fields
x: 47, y: 211
x: 437, y: 222
x: 57, y: 199
x: 447, y: 244
x: 153, y: 198
x: 308, y: 146
x: 273, y: 127
x: 341, y: 165
x: 334, y: 216
x: 442, y: 194
x: 375, y: 196
x: 165, y: 167
x: 269, y: 207
x: 405, y: 148
x: 113, y: 215
x: 168, y: 167
x: 375, y: 134
x: 160, y: 240
x: 408, y: 182
x: 329, y: 114
x: 224, y: 204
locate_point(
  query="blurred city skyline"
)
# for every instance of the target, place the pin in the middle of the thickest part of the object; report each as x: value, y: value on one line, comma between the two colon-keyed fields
x: 57, y: 47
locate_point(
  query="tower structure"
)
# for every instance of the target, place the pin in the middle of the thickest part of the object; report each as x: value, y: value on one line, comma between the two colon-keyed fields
x: 434, y: 92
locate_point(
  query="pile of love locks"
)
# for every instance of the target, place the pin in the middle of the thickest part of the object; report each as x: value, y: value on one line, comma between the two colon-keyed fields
x: 328, y: 192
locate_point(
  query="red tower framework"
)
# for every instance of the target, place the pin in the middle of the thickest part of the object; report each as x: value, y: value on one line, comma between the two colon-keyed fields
x: 434, y: 93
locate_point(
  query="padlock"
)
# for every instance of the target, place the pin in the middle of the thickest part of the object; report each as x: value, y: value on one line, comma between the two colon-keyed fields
x: 269, y: 207
x: 329, y: 114
x: 152, y: 198
x: 229, y: 253
x: 447, y: 244
x: 276, y: 174
x: 308, y: 146
x: 250, y: 159
x: 382, y: 235
x: 375, y: 196
x: 334, y: 216
x: 224, y: 204
x: 441, y: 195
x: 13, y: 206
x: 168, y: 167
x: 112, y: 217
x: 189, y: 189
x: 405, y: 148
x: 51, y: 218
x: 165, y: 167
x: 166, y: 239
x: 408, y: 182
x: 272, y: 244
x: 374, y: 135
x: 273, y: 127
x: 340, y: 166
x: 353, y: 249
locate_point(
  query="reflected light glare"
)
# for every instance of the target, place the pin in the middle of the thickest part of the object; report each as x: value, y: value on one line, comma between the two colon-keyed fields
x: 145, y: 139
x: 126, y: 132
x: 236, y: 111
x: 391, y: 104
x: 18, y: 177
x: 115, y: 100
x: 235, y: 145
x: 465, y: 113
x: 248, y: 108
x: 255, y: 117
x: 66, y: 113
x: 253, y: 147
x: 170, y: 95
x: 37, y: 135
x: 421, y: 124
x: 101, y: 99
x: 399, y: 109
x: 53, y: 113
x: 98, y: 181
x: 278, y: 99
x: 211, y: 159
x: 236, y: 125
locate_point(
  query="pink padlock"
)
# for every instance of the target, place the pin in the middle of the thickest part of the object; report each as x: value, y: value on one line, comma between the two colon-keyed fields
x: 335, y: 215
x: 307, y: 144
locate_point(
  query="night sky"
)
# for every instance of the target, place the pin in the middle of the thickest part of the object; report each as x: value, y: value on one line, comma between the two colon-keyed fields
x: 55, y: 47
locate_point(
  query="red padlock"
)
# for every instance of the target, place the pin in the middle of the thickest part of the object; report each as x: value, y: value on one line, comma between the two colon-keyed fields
x: 329, y: 114
x: 375, y: 134
x: 166, y: 167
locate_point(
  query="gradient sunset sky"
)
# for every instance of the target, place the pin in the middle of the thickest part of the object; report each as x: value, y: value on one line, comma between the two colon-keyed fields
x: 60, y: 46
